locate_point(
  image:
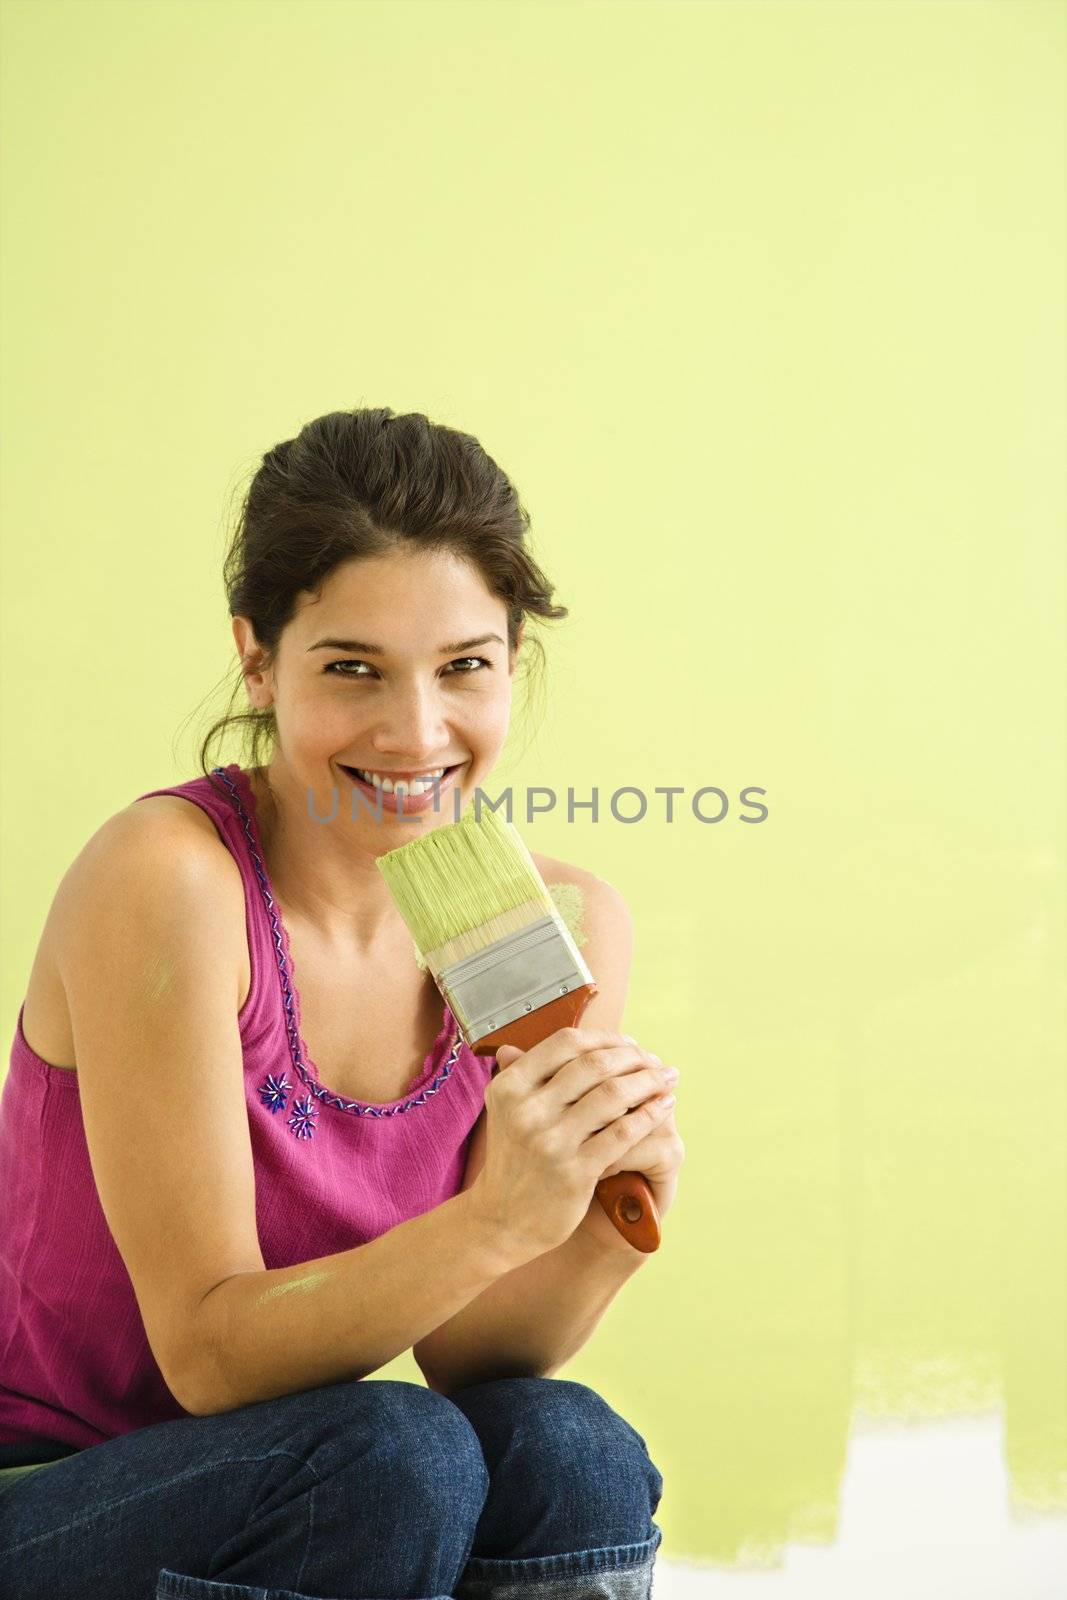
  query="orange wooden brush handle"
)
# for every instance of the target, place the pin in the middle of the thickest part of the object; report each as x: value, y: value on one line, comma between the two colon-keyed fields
x: 625, y: 1196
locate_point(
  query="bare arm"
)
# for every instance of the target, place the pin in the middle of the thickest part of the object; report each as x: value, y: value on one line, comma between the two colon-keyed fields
x: 530, y: 1321
x: 147, y: 896
x: 339, y: 1317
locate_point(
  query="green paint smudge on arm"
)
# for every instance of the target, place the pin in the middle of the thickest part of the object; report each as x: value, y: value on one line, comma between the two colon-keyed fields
x: 296, y: 1286
x: 157, y: 978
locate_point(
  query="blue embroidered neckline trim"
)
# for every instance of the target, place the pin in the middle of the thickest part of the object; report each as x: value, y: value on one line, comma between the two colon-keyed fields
x: 275, y: 1087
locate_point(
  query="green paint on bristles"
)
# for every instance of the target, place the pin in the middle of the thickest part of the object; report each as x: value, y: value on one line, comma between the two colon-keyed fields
x: 570, y: 903
x: 458, y: 878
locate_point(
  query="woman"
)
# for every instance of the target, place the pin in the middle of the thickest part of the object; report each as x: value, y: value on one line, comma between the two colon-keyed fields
x: 211, y: 1237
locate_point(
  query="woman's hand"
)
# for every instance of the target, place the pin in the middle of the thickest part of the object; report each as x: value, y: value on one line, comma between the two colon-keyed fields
x: 658, y: 1157
x: 556, y: 1115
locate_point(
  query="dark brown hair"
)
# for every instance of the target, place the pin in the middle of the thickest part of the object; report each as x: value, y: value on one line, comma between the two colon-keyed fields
x: 362, y: 483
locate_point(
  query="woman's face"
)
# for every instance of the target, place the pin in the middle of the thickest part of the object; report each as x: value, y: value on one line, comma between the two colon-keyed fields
x: 399, y: 668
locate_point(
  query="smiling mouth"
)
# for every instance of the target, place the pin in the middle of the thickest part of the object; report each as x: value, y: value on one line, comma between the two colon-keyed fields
x: 409, y: 787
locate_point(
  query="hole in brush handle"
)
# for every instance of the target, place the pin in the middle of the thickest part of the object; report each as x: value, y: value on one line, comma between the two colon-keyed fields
x: 627, y: 1199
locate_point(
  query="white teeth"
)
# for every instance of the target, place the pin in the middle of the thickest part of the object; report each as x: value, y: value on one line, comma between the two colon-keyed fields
x: 403, y: 786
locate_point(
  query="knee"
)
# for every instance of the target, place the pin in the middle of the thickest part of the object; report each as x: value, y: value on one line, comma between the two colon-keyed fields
x: 410, y: 1445
x: 564, y: 1434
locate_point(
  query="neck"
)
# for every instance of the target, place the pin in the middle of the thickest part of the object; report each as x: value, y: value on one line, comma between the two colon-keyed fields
x: 325, y: 872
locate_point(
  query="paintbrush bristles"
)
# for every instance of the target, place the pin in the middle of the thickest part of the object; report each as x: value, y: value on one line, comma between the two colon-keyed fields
x: 477, y: 939
x: 457, y: 879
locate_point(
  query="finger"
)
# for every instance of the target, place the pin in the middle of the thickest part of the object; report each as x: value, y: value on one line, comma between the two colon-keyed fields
x: 542, y: 1061
x: 654, y: 1155
x: 619, y: 1137
x: 628, y: 1090
x: 614, y: 1079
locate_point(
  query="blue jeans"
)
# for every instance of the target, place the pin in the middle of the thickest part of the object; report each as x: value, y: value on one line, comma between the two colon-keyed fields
x: 519, y: 1489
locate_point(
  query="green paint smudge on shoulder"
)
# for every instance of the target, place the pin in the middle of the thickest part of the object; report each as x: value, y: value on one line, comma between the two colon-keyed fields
x: 570, y: 903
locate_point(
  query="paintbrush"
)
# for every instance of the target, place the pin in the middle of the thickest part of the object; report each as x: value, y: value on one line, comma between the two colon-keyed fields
x: 489, y: 932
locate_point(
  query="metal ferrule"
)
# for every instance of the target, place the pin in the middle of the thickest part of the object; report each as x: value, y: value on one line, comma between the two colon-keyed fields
x: 512, y: 976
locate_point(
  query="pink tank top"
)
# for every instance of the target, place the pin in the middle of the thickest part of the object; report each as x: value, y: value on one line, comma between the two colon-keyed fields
x: 330, y: 1173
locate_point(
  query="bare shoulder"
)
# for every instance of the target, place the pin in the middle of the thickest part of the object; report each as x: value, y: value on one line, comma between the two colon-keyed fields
x: 188, y: 817
x: 556, y: 872
x: 162, y: 821
x: 158, y: 837
x: 600, y: 907
x: 162, y: 846
x: 600, y: 920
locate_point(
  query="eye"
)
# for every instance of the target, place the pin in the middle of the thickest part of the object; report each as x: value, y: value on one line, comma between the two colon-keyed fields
x: 336, y: 667
x: 332, y: 666
x: 478, y: 660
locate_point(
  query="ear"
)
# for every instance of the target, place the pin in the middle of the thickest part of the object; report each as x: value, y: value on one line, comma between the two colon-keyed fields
x: 257, y: 678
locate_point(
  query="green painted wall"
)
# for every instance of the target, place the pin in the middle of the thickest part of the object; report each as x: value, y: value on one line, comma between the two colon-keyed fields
x: 762, y: 306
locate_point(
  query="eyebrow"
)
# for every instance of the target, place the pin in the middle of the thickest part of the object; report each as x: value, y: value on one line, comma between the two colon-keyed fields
x: 362, y: 649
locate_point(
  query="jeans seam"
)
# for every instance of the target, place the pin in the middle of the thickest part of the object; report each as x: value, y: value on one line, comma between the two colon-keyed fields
x: 299, y: 1584
x: 151, y: 1489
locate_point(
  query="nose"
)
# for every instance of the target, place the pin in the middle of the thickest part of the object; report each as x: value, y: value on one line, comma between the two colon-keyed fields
x: 412, y: 728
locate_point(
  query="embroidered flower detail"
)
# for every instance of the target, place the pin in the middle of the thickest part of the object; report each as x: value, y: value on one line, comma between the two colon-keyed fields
x: 274, y: 1090
x: 302, y: 1120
